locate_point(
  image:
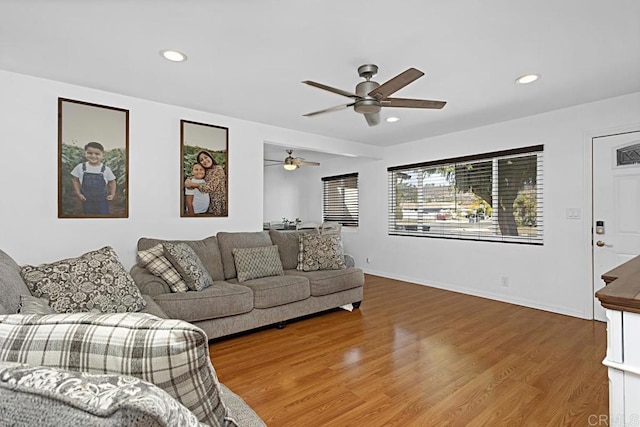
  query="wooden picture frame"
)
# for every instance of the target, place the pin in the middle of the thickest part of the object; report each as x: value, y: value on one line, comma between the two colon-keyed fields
x: 93, y: 146
x: 204, y: 156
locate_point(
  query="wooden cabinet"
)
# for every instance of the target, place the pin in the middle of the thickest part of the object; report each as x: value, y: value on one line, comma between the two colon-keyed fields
x: 621, y: 299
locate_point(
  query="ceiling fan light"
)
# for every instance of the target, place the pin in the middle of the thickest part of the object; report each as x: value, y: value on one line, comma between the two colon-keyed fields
x: 289, y: 166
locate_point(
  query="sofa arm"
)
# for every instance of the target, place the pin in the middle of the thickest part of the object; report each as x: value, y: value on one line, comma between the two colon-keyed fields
x: 148, y: 283
x: 349, y: 261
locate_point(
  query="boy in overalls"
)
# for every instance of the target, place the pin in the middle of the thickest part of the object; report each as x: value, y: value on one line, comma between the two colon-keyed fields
x: 93, y: 182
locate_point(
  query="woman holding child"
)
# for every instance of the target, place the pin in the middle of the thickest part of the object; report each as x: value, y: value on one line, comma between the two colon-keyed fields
x: 215, y: 184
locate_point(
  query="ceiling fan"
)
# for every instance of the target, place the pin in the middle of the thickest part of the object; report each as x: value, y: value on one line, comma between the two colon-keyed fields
x: 291, y: 163
x: 370, y: 96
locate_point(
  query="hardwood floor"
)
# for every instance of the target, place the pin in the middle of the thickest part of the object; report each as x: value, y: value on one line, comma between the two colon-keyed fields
x: 419, y: 356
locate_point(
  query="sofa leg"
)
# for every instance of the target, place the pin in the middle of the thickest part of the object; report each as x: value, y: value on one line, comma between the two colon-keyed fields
x: 281, y: 325
x: 357, y: 304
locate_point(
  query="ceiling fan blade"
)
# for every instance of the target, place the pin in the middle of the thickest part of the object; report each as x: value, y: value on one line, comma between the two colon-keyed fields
x: 332, y: 89
x: 271, y: 160
x: 301, y: 162
x: 396, y: 83
x: 372, y: 118
x: 328, y: 110
x: 412, y: 103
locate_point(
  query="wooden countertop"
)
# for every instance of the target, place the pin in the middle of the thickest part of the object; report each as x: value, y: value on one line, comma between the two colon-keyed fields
x: 623, y: 287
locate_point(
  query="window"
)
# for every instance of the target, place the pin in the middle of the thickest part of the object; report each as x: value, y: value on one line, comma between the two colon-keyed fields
x: 494, y: 196
x: 629, y: 155
x: 340, y: 199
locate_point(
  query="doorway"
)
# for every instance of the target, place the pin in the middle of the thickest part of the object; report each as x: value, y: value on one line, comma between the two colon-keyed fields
x: 615, y: 205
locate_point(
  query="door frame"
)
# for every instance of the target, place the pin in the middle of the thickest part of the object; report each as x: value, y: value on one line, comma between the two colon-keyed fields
x: 589, y: 138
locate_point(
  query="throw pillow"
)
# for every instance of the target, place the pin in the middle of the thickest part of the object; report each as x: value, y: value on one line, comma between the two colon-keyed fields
x: 170, y: 353
x: 154, y: 260
x: 32, y: 305
x: 113, y: 399
x: 320, y: 252
x: 186, y: 261
x: 93, y: 281
x: 253, y: 263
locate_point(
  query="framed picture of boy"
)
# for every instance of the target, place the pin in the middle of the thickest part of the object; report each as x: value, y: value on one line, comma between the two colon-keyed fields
x: 204, y: 155
x: 93, y: 159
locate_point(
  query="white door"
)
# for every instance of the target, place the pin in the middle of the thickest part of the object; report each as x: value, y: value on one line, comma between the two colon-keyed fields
x: 616, y: 205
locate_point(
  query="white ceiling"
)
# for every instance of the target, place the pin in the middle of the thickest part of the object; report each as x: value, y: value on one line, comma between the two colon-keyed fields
x: 247, y: 58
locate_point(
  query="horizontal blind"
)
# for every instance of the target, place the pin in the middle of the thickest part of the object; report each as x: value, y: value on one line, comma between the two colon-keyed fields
x: 340, y: 201
x: 494, y: 196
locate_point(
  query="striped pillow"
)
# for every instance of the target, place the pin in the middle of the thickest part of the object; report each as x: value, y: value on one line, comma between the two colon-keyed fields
x: 171, y: 354
x: 153, y: 259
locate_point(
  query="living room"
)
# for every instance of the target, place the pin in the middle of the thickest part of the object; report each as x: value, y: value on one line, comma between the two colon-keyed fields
x: 554, y: 277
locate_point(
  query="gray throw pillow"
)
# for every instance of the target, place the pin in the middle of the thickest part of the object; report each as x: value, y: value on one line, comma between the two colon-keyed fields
x: 253, y: 263
x: 320, y: 252
x: 186, y: 261
x: 32, y: 305
x: 95, y: 281
x: 153, y: 259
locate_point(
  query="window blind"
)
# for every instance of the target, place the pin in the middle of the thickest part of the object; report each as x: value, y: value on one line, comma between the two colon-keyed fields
x: 495, y: 196
x: 340, y: 202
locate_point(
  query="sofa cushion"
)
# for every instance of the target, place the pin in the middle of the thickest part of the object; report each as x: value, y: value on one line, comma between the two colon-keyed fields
x: 171, y: 354
x: 49, y: 396
x: 188, y: 264
x: 11, y: 284
x: 288, y: 247
x: 327, y: 282
x: 221, y: 299
x: 320, y: 252
x: 153, y: 259
x: 228, y: 241
x: 32, y: 305
x: 94, y: 281
x: 253, y: 263
x: 277, y: 290
x: 206, y: 249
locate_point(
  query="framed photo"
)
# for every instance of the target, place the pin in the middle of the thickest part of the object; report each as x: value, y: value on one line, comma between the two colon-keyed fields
x: 93, y: 158
x: 204, y: 155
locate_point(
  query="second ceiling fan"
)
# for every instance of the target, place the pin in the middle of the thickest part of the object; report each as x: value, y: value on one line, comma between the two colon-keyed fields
x: 371, y: 96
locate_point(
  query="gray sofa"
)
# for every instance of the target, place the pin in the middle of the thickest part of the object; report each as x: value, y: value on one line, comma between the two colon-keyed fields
x: 57, y: 391
x: 228, y: 307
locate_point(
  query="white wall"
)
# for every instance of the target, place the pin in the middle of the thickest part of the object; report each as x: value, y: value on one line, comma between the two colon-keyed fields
x: 29, y: 228
x: 286, y: 194
x: 555, y: 276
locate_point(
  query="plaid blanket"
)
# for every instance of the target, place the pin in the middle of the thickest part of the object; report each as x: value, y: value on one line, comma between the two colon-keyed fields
x: 171, y: 354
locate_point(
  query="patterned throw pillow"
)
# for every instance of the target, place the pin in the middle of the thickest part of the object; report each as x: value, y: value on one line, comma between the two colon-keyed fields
x: 170, y: 353
x: 320, y: 252
x: 120, y: 398
x: 95, y: 281
x: 154, y: 260
x: 253, y: 263
x: 186, y: 261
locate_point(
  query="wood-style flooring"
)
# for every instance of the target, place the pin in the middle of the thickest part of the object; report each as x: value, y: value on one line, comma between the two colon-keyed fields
x: 419, y: 356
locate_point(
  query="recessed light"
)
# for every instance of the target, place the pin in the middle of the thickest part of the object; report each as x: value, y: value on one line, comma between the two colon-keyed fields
x: 392, y: 119
x: 527, y: 78
x: 173, y: 55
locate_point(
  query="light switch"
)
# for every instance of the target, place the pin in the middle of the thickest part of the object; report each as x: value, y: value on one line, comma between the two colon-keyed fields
x: 574, y: 213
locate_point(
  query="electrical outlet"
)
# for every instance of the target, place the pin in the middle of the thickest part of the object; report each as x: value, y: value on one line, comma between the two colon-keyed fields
x: 504, y: 281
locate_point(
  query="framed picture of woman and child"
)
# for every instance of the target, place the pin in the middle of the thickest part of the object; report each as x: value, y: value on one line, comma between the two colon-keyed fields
x: 93, y: 159
x: 204, y: 155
